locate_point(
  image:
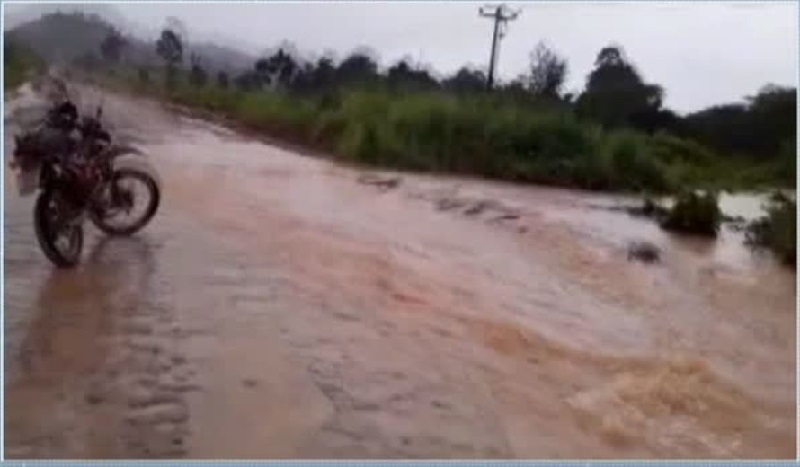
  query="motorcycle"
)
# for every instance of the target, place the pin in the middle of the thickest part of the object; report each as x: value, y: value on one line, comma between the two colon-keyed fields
x: 73, y: 167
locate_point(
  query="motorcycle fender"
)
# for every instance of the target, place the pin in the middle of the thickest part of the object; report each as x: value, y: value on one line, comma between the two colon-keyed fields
x: 118, y: 150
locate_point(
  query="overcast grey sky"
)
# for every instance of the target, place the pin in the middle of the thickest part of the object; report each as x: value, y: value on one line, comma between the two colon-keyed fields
x: 701, y: 52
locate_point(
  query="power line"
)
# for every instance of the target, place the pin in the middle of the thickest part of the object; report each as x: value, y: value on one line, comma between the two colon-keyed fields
x: 501, y: 15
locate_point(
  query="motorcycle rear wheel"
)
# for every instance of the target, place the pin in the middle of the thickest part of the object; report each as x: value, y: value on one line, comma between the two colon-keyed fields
x: 47, y: 215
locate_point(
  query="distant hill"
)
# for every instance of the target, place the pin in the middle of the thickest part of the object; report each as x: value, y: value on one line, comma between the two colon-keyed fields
x: 62, y: 37
x: 72, y: 32
x: 20, y: 14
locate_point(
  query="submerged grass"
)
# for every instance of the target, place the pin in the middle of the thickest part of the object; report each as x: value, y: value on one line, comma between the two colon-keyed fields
x: 777, y: 231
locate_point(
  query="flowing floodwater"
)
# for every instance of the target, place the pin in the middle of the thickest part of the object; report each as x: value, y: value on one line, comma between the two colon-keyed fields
x: 279, y: 307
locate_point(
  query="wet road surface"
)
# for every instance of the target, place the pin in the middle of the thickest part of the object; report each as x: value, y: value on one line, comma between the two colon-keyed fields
x: 276, y: 307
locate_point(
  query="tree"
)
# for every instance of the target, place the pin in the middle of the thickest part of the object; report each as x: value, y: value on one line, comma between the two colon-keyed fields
x: 615, y: 92
x: 223, y: 80
x: 170, y: 48
x: 112, y: 46
x: 722, y: 127
x: 653, y: 120
x: 247, y: 81
x: 315, y: 77
x: 176, y: 25
x: 359, y: 67
x: 610, y: 56
x: 278, y: 69
x: 517, y: 89
x: 324, y: 73
x: 759, y: 126
x: 198, y: 75
x: 400, y: 71
x: 303, y: 78
x: 261, y: 68
x: 404, y: 75
x: 466, y: 80
x: 773, y: 116
x: 547, y: 72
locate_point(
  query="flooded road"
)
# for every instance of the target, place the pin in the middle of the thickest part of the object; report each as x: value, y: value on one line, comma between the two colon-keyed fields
x: 278, y: 307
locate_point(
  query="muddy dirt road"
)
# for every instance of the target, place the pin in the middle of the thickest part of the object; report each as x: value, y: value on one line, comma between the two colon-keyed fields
x: 277, y: 307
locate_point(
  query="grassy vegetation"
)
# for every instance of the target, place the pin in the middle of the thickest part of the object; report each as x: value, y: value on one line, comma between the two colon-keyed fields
x: 777, y: 231
x: 694, y: 213
x: 488, y: 136
x: 19, y: 65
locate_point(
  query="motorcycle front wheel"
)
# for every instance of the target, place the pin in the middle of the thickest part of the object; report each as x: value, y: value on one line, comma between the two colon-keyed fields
x: 121, y: 198
x: 60, y: 238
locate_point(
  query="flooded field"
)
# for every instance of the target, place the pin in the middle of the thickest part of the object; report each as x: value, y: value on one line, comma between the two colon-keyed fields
x: 282, y: 306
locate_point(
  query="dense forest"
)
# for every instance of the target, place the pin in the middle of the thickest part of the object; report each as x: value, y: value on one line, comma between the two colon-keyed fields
x: 614, y: 134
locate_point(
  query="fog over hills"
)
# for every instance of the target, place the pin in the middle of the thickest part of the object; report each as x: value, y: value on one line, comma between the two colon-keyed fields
x: 68, y: 38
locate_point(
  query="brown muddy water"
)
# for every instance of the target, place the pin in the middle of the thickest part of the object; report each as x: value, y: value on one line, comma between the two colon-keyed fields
x: 277, y: 307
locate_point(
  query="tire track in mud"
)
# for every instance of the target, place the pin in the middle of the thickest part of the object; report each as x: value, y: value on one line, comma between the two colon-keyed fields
x: 107, y: 355
x: 385, y: 403
x: 151, y: 374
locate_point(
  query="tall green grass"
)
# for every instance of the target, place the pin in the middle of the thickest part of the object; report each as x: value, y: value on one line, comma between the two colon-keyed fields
x: 19, y: 65
x: 482, y: 135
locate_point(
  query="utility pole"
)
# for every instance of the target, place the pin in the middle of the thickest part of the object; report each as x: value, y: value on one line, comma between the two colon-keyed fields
x: 501, y: 15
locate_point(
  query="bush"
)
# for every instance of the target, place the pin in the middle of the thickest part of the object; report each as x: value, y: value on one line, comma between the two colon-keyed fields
x: 633, y: 163
x: 19, y: 64
x: 694, y: 213
x: 777, y: 231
